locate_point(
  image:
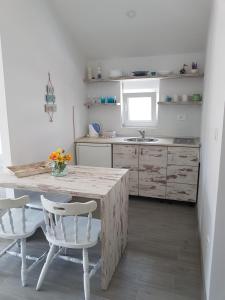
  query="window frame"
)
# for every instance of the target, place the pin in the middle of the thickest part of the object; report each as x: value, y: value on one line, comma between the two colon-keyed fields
x: 125, y: 118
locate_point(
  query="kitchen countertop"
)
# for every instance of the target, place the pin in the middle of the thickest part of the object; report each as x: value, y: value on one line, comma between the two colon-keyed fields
x: 121, y: 140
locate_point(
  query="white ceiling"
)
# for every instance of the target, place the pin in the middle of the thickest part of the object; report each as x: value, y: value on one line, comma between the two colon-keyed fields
x: 101, y: 28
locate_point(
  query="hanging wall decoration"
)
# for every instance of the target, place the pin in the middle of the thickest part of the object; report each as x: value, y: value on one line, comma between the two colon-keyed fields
x: 50, y: 106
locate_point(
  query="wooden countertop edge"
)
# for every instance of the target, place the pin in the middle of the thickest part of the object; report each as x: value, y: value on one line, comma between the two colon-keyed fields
x: 167, y: 142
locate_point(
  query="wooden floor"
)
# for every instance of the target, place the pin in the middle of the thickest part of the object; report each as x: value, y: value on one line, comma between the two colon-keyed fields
x: 162, y: 261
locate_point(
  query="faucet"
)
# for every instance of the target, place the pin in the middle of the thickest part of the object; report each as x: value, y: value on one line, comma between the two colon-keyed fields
x: 142, y: 133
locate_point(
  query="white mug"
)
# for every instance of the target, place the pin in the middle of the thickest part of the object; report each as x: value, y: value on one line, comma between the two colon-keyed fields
x: 175, y: 98
x: 184, y: 97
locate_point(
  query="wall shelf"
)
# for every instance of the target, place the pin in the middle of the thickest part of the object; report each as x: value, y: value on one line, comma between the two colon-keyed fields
x: 197, y: 103
x: 170, y: 76
x: 90, y: 104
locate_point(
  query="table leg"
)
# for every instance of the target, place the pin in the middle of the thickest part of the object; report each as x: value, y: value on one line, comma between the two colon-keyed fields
x: 114, y: 215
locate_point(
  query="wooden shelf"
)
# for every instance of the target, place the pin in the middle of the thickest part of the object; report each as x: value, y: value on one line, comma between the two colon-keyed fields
x: 89, y: 104
x: 170, y: 76
x: 102, y: 80
x: 181, y: 103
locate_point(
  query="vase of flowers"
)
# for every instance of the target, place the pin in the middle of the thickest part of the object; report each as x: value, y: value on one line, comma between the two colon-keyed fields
x: 59, y: 162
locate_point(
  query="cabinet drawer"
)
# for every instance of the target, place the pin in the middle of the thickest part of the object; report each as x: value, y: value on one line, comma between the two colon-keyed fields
x: 152, y: 184
x: 181, y: 192
x: 181, y: 174
x: 183, y: 156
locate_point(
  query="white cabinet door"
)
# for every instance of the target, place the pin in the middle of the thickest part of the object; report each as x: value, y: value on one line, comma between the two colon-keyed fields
x: 95, y: 155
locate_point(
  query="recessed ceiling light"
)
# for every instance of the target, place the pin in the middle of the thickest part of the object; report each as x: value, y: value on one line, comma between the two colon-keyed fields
x: 131, y: 13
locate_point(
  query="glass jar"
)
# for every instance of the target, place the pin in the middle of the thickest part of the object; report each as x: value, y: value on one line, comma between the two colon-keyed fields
x: 59, y: 169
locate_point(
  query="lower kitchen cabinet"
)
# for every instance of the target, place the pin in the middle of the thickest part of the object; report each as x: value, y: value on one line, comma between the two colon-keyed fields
x: 160, y: 171
x: 133, y: 183
x: 182, y: 174
x: 126, y: 156
x: 152, y: 171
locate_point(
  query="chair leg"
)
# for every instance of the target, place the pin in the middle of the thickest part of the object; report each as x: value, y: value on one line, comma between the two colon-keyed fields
x: 23, y: 250
x: 18, y: 245
x: 86, y: 275
x: 46, y: 266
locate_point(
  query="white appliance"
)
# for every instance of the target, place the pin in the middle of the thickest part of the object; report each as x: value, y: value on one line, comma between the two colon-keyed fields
x: 95, y: 155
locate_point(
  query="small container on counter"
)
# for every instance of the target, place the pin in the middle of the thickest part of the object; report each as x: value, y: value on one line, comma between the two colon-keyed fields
x: 184, y: 98
x: 168, y: 99
x: 111, y: 99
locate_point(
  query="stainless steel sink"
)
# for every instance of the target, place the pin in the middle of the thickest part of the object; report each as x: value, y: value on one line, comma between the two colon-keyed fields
x: 141, y: 140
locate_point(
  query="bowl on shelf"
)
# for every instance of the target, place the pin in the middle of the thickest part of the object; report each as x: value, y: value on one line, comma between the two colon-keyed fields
x: 115, y: 74
x: 194, y: 71
x: 139, y: 73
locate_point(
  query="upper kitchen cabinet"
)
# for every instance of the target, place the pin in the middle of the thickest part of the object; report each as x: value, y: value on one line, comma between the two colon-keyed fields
x: 126, y: 156
x: 152, y: 171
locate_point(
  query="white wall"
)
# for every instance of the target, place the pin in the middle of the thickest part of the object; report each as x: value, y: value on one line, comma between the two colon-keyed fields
x: 33, y: 44
x: 217, y: 287
x: 211, y: 194
x: 5, y: 153
x: 168, y: 125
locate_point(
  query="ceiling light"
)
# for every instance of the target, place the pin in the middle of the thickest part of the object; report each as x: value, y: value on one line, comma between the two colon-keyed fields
x: 131, y: 14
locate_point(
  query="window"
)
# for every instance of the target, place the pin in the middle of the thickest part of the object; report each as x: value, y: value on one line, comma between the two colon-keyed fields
x: 139, y: 107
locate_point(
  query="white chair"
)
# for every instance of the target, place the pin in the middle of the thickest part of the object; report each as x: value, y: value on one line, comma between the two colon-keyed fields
x: 65, y: 228
x: 18, y: 222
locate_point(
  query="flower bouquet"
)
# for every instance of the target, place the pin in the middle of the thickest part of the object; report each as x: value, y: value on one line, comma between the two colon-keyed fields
x: 59, y: 162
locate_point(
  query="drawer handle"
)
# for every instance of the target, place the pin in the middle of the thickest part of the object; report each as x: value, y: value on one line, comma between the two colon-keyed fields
x: 135, y: 152
x: 141, y: 151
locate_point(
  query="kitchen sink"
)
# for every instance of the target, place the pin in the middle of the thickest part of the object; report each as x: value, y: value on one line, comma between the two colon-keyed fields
x: 141, y: 140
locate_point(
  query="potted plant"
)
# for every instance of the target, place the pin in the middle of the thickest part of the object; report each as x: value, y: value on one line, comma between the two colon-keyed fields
x: 194, y: 68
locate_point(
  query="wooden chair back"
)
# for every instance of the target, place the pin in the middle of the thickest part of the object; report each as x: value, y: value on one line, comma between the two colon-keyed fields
x: 6, y: 207
x: 54, y: 214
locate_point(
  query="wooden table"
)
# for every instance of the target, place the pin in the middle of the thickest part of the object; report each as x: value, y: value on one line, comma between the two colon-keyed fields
x: 109, y: 186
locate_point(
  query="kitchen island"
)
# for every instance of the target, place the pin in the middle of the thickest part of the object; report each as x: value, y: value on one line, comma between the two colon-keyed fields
x: 109, y: 186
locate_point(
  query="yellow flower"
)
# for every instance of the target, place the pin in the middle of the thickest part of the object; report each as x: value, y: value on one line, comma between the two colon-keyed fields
x: 59, y: 155
x: 69, y: 157
x: 59, y: 150
x: 54, y: 156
